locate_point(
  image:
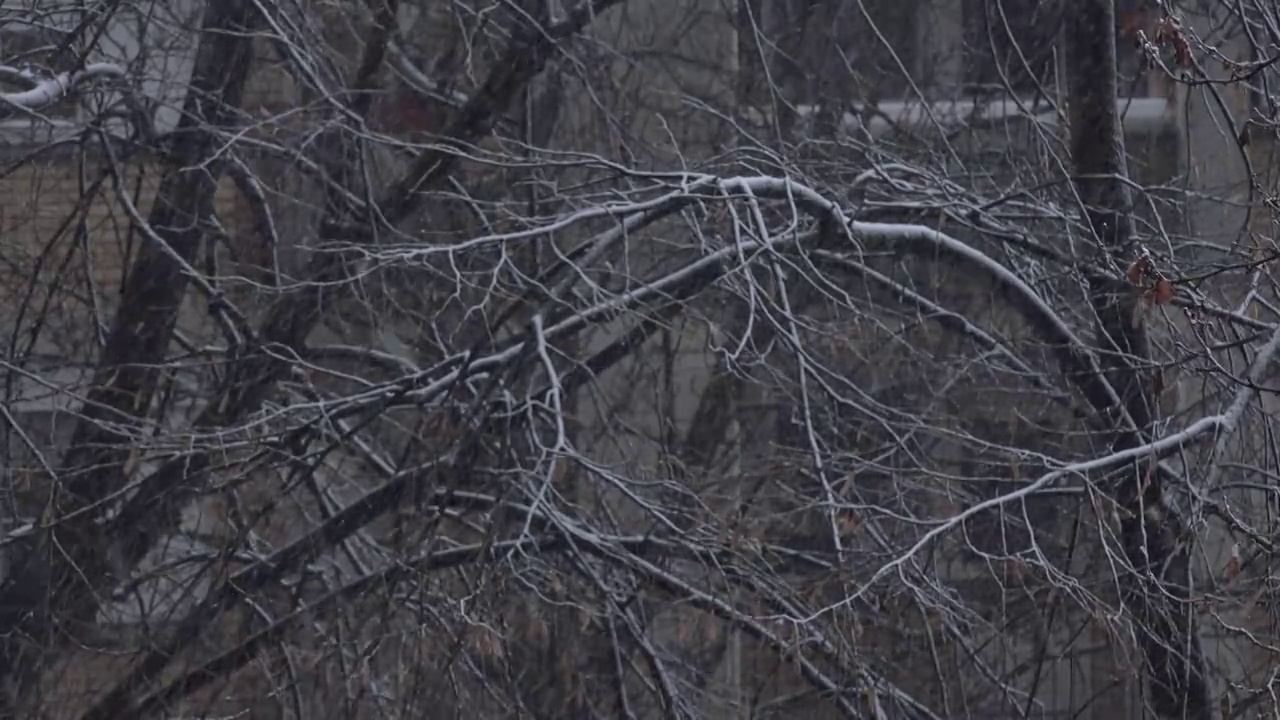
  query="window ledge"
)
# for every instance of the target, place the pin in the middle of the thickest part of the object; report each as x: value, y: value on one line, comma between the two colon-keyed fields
x: 21, y: 131
x: 1140, y: 115
x: 23, y: 134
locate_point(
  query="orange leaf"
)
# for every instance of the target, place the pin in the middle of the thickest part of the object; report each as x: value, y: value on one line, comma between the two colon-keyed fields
x: 1163, y: 294
x: 1182, y: 53
x: 1136, y: 271
x: 847, y: 524
x: 1170, y: 31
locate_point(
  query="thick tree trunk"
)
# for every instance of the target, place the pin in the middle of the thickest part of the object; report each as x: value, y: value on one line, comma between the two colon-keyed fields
x: 1155, y: 538
x: 156, y: 505
x: 158, y: 499
x: 59, y: 580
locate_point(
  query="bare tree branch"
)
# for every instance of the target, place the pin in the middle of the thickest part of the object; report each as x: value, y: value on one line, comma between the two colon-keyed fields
x: 1156, y: 540
x: 51, y: 586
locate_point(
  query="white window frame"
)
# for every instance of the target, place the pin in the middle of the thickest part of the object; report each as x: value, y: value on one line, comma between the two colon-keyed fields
x: 945, y: 24
x: 974, y: 30
x: 1138, y: 114
x: 13, y: 22
x: 166, y: 71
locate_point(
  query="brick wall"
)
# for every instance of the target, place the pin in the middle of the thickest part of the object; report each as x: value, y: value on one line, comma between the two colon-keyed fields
x: 65, y: 244
x: 66, y: 240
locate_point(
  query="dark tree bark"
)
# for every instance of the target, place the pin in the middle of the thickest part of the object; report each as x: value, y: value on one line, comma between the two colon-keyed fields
x: 57, y: 583
x: 155, y: 508
x: 1155, y: 538
x: 157, y: 502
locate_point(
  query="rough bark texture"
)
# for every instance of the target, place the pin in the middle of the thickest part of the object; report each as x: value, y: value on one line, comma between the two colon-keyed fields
x: 1154, y: 536
x: 57, y: 584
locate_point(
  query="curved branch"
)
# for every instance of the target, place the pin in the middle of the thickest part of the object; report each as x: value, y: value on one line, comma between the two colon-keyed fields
x: 1078, y: 363
x: 45, y: 92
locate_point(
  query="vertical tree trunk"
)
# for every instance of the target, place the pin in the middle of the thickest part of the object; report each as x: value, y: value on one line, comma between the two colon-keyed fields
x: 155, y: 507
x: 58, y: 582
x: 1154, y: 537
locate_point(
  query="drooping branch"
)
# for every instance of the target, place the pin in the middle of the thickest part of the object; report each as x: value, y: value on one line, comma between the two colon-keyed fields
x: 1077, y: 361
x: 879, y: 359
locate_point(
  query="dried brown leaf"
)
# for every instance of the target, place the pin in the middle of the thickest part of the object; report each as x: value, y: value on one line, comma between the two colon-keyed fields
x: 1232, y: 570
x: 1136, y: 271
x: 1170, y: 32
x: 848, y: 524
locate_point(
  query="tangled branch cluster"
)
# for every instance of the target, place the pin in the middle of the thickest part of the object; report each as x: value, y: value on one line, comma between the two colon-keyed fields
x: 531, y: 360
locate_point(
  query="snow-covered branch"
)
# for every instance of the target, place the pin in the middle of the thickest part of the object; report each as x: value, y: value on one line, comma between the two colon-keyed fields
x: 794, y: 410
x: 51, y: 90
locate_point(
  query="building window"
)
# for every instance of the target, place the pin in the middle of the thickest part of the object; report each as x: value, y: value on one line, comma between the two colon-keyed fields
x: 1013, y: 45
x: 886, y: 49
x: 1010, y: 45
x: 1155, y: 163
x: 34, y: 46
x: 1153, y: 155
x: 149, y: 40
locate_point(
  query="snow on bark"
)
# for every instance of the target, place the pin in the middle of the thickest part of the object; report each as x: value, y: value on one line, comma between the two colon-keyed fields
x: 50, y: 90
